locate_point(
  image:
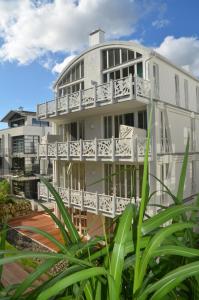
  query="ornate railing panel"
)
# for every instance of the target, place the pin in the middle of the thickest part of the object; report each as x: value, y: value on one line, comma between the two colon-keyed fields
x: 141, y: 147
x: 103, y: 92
x: 62, y: 149
x: 51, y: 107
x: 122, y: 87
x: 104, y: 147
x: 88, y: 97
x: 87, y: 201
x: 143, y: 87
x: 129, y: 149
x: 89, y: 148
x: 123, y: 147
x: 74, y: 148
x: 62, y: 103
x: 52, y: 150
x: 127, y: 88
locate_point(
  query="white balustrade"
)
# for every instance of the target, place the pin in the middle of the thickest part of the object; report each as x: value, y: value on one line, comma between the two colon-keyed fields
x: 127, y: 88
x: 129, y: 149
x: 87, y: 201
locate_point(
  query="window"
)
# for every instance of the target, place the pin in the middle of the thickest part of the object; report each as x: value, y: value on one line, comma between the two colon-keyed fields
x: 197, y: 98
x: 164, y: 142
x: 177, y: 90
x: 156, y: 80
x: 116, y: 56
x: 73, y: 131
x: 75, y: 73
x: 186, y: 94
x: 142, y: 119
x: 130, y: 55
x: 112, y: 124
x: 138, y: 55
x: 124, y: 56
x: 140, y: 69
x: 104, y: 59
x: 39, y: 123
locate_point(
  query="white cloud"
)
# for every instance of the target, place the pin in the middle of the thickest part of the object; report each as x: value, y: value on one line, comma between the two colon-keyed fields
x: 160, y: 23
x: 60, y: 66
x: 30, y: 28
x: 183, y: 51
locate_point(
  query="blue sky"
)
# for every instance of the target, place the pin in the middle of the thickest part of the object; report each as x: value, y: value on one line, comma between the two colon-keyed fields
x: 36, y: 36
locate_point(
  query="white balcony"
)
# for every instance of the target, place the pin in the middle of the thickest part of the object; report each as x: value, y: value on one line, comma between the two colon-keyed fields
x: 116, y: 91
x: 106, y: 205
x: 114, y: 149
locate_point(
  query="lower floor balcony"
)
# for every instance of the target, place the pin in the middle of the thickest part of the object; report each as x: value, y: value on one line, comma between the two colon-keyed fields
x: 114, y: 149
x: 107, y: 205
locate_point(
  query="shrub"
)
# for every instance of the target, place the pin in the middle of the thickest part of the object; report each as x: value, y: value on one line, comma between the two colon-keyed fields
x: 4, y: 187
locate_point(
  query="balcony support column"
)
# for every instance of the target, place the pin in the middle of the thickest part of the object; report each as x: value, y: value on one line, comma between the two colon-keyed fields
x: 113, y: 148
x: 46, y: 151
x: 95, y: 141
x: 67, y: 103
x: 56, y: 106
x: 56, y: 151
x: 112, y: 90
x: 69, y: 198
x: 131, y: 86
x: 82, y: 200
x: 135, y: 87
x: 114, y: 206
x: 95, y: 95
x: 80, y: 149
x: 80, y: 100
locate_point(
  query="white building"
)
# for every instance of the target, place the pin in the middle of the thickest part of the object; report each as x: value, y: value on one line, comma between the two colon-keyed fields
x: 109, y: 85
x: 18, y: 150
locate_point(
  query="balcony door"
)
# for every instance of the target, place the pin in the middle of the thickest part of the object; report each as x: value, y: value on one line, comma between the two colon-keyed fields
x: 123, y: 180
x: 112, y: 124
x: 74, y: 131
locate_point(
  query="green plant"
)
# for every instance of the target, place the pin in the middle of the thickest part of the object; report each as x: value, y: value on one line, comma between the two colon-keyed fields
x: 4, y: 187
x: 145, y: 258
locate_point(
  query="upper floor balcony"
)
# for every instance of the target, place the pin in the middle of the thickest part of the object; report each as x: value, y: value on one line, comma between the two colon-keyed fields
x: 114, y: 149
x: 107, y: 205
x: 115, y: 91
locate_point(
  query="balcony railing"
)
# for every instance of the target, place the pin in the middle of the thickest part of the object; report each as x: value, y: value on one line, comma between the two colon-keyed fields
x: 114, y: 149
x: 127, y: 88
x: 87, y: 201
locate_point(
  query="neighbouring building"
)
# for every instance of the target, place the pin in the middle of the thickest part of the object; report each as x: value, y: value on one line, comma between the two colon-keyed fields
x: 18, y: 151
x: 100, y: 114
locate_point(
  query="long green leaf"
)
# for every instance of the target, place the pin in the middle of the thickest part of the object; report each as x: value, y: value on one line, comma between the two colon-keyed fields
x: 155, y: 242
x: 46, y: 235
x: 170, y: 281
x: 118, y: 254
x: 164, y: 216
x: 16, y: 255
x: 183, y: 174
x: 176, y: 250
x: 63, y: 211
x: 33, y: 277
x: 142, y: 207
x: 70, y: 280
x: 60, y: 225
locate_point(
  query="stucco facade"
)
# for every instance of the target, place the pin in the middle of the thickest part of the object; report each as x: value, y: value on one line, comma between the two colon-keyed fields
x: 109, y: 85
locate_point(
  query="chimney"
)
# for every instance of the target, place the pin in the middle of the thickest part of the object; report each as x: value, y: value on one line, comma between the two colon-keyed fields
x: 96, y: 37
